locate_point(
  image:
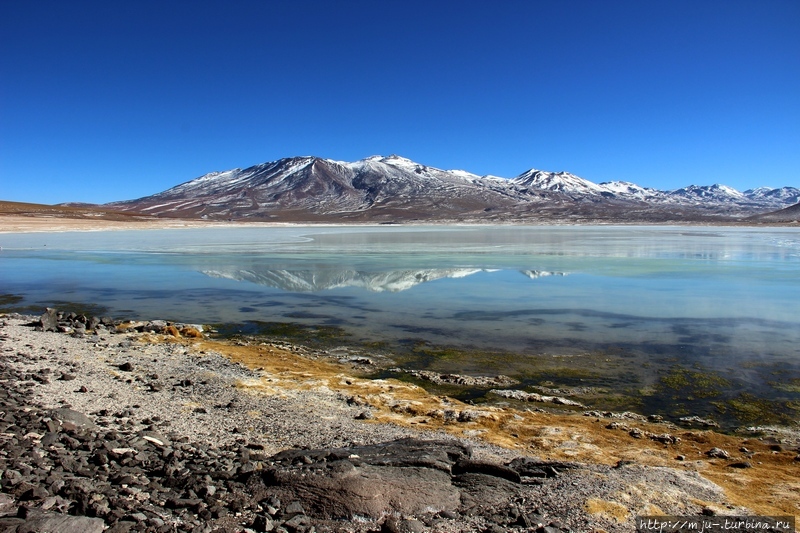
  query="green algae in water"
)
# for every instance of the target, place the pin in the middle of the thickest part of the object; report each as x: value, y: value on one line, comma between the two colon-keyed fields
x: 12, y: 303
x: 466, y: 394
x: 80, y: 308
x: 418, y: 354
x: 790, y: 386
x: 8, y: 299
x: 8, y: 303
x: 601, y: 380
x: 748, y: 408
x: 316, y: 335
x: 687, y: 383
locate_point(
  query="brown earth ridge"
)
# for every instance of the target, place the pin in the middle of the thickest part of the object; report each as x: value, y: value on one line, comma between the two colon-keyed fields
x: 151, y: 426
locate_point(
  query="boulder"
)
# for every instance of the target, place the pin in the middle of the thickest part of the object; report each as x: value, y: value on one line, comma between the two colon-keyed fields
x: 49, y: 320
x: 718, y: 453
x: 408, y: 476
x: 68, y: 415
x: 61, y: 523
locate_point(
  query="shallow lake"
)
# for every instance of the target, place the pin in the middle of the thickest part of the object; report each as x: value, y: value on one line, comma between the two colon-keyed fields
x: 672, y: 320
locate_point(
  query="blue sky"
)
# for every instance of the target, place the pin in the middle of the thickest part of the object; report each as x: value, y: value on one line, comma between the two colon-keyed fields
x: 104, y: 101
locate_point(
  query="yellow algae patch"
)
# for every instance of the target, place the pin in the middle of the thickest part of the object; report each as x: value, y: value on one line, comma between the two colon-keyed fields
x: 264, y: 387
x: 192, y: 333
x: 172, y: 331
x: 186, y: 331
x: 607, y: 509
x: 651, y: 510
x: 125, y: 327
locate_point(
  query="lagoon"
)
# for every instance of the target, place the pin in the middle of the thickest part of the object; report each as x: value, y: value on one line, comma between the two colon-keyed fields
x: 671, y: 320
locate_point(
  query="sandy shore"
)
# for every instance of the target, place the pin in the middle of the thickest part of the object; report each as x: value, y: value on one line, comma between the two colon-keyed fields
x: 26, y: 224
x: 216, y: 393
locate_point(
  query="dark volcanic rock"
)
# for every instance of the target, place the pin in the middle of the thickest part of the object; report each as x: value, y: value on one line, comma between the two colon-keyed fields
x: 410, y: 476
x: 490, y: 469
x: 62, y: 523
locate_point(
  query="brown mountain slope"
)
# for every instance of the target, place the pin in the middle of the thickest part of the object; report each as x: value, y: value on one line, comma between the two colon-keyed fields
x: 789, y: 214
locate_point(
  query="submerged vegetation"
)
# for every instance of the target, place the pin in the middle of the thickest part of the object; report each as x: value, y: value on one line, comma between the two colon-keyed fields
x: 690, y: 384
x: 80, y: 308
x: 13, y: 303
x: 750, y: 409
x: 605, y: 380
x: 314, y: 335
x: 792, y: 385
x: 8, y: 301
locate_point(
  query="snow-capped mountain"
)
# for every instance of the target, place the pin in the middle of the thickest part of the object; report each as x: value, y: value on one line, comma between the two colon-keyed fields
x: 626, y: 189
x: 716, y: 192
x: 397, y: 189
x: 562, y: 182
x: 784, y: 195
x: 316, y: 189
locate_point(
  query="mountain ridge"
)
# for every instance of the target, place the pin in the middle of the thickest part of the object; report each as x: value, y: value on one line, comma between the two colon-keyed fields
x: 394, y: 188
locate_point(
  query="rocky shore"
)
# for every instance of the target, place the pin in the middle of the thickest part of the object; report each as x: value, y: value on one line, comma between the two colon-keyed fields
x: 110, y: 426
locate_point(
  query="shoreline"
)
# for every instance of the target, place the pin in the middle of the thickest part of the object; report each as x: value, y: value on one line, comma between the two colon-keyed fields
x: 262, y: 395
x: 57, y: 224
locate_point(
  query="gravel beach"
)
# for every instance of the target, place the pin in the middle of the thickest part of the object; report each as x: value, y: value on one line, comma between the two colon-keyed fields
x: 139, y: 427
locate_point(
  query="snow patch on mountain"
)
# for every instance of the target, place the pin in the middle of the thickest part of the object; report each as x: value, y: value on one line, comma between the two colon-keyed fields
x: 709, y: 192
x: 562, y: 182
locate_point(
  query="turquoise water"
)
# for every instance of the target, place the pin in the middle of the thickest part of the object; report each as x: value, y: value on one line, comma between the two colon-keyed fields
x: 621, y: 306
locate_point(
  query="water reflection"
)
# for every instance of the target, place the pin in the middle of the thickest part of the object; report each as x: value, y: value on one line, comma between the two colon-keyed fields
x: 332, y: 278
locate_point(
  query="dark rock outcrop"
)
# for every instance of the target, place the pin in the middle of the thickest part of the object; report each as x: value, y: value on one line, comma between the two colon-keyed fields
x: 410, y: 476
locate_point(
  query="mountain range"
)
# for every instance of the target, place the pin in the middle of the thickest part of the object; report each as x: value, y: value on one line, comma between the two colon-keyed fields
x: 396, y: 189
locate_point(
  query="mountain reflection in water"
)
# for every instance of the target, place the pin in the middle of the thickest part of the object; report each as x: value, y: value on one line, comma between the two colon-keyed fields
x: 331, y: 278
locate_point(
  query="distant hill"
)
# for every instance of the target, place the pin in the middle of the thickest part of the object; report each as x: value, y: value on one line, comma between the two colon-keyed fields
x: 69, y: 211
x: 789, y: 214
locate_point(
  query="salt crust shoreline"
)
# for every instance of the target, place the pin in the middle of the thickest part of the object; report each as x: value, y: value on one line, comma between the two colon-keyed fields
x: 26, y: 224
x: 202, y: 399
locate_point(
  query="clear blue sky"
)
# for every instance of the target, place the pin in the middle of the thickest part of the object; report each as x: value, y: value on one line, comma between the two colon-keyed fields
x: 105, y: 100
